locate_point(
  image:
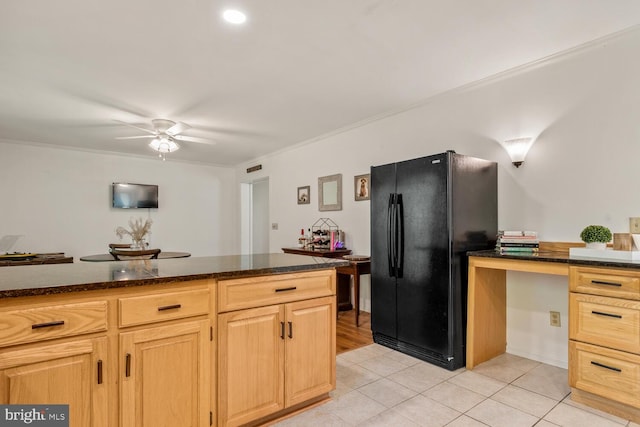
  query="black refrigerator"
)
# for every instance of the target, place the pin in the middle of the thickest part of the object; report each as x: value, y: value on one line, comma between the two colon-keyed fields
x: 426, y: 214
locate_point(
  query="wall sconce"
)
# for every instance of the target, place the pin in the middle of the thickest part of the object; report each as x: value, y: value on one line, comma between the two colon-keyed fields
x: 518, y: 149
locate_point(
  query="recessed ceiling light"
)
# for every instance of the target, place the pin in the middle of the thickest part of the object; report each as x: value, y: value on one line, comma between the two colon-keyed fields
x: 234, y: 16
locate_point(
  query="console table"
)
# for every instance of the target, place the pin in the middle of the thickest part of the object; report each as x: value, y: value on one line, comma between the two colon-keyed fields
x: 323, y: 253
x: 343, y: 292
x: 355, y: 268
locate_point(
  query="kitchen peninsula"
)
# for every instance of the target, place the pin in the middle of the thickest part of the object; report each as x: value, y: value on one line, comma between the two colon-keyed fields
x: 195, y: 341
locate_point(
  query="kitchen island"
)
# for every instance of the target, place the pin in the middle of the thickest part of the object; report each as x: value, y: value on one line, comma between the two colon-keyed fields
x: 196, y: 341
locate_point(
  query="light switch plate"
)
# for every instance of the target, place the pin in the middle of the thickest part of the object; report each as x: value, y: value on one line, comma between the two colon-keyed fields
x: 634, y: 225
x: 554, y: 318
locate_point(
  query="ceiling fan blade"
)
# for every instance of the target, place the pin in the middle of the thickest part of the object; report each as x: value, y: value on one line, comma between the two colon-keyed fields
x: 136, y: 137
x: 153, y: 132
x: 177, y: 128
x: 194, y: 139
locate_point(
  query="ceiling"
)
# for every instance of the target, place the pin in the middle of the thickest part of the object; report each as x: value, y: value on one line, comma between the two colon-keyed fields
x: 297, y: 70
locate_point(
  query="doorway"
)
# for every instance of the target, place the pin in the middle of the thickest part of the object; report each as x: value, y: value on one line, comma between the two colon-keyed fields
x: 254, y: 217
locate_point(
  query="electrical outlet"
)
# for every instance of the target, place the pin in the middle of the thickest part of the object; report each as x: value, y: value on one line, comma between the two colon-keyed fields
x: 274, y: 225
x: 554, y: 318
x: 634, y: 225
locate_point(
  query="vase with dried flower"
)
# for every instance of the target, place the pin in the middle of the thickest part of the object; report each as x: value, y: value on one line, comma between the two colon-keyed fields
x: 138, y: 229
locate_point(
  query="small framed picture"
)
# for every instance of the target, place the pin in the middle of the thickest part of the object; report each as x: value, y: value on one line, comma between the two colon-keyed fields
x: 361, y: 187
x: 303, y: 195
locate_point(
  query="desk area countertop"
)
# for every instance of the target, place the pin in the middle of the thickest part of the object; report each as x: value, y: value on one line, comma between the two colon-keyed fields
x: 556, y: 257
x: 84, y: 276
x: 486, y: 305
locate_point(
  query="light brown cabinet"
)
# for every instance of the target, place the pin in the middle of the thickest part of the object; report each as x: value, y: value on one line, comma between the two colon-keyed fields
x: 164, y: 349
x: 165, y: 376
x: 122, y: 357
x: 604, y: 333
x: 73, y: 373
x: 272, y: 358
x: 154, y: 356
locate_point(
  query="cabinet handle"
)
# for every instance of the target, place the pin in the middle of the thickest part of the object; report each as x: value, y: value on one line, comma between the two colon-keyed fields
x: 600, y: 313
x: 602, y: 282
x: 47, y: 324
x: 282, y: 330
x: 127, y: 365
x: 99, y: 371
x: 290, y: 330
x: 292, y: 288
x: 606, y: 367
x: 169, y: 307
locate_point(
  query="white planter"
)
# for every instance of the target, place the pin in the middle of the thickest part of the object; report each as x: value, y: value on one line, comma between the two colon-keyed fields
x: 596, y: 245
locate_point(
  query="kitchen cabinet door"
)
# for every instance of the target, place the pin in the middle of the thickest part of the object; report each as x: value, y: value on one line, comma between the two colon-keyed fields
x: 251, y: 360
x: 73, y: 373
x: 310, y: 347
x: 165, y: 376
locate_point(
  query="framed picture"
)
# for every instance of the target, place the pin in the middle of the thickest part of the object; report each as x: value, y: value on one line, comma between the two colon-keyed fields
x: 361, y: 187
x: 303, y: 195
x: 330, y: 193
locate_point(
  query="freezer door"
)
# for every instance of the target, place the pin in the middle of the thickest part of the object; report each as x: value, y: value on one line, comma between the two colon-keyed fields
x: 383, y: 281
x: 423, y: 290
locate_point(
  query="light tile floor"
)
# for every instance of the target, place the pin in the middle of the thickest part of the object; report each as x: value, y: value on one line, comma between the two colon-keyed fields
x: 377, y: 386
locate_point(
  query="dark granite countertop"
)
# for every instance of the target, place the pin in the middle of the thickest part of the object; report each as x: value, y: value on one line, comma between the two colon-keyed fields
x: 561, y: 257
x: 34, y: 280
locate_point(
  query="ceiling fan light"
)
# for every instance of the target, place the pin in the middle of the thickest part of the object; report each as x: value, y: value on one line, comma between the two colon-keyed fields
x: 164, y: 145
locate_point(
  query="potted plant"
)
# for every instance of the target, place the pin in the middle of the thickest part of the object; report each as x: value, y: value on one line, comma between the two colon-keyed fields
x: 596, y: 236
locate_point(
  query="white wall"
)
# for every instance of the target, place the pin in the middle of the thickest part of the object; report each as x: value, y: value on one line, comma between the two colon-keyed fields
x: 60, y: 201
x: 584, y: 109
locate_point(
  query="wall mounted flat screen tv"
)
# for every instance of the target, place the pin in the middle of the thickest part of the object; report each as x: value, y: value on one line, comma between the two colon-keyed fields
x: 133, y: 196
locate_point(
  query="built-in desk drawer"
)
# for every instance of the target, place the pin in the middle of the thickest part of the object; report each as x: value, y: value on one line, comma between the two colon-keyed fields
x: 609, y: 322
x: 143, y: 309
x: 236, y: 294
x: 605, y: 372
x: 607, y: 282
x: 56, y: 321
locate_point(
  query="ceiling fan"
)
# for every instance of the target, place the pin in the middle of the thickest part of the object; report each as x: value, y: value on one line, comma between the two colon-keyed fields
x: 164, y: 135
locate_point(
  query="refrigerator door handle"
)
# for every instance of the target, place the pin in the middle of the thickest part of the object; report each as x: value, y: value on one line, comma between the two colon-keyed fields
x: 399, y: 235
x: 390, y: 235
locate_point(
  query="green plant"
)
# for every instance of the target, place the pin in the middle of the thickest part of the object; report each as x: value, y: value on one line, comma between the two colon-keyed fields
x: 595, y: 233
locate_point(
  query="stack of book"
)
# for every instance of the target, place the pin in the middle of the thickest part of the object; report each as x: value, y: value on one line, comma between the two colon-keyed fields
x: 517, y: 242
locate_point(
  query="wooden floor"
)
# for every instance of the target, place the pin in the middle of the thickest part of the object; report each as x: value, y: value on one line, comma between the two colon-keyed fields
x: 348, y: 337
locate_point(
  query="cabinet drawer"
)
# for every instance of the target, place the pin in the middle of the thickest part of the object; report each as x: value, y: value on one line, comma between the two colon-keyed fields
x: 235, y: 294
x: 44, y: 323
x: 139, y: 310
x: 608, y: 282
x: 608, y: 322
x: 605, y: 372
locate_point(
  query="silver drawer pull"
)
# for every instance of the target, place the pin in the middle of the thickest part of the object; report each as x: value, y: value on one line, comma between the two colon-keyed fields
x: 600, y: 313
x: 602, y: 282
x: 292, y: 288
x: 47, y: 324
x: 606, y: 367
x: 169, y: 307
